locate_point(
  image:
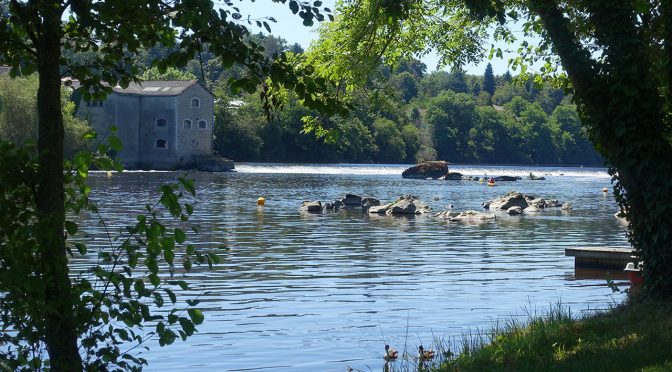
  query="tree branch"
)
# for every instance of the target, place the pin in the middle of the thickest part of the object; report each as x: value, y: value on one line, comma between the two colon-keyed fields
x: 576, y: 59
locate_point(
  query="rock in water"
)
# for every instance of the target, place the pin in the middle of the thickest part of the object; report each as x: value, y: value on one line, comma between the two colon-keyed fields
x: 428, y: 169
x: 380, y: 209
x: 408, y: 204
x: 512, y: 199
x: 466, y: 216
x: 311, y: 207
x: 352, y: 200
x: 453, y: 176
x: 368, y: 202
x: 514, y: 211
x: 505, y: 179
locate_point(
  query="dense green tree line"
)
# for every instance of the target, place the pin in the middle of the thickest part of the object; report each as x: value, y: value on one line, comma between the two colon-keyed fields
x: 404, y: 115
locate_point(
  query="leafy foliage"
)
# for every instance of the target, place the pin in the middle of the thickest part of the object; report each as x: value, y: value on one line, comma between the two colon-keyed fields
x: 19, y: 119
x: 98, y: 44
x: 113, y: 299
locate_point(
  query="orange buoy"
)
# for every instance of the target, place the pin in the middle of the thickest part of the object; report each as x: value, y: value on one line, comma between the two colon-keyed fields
x: 261, y: 202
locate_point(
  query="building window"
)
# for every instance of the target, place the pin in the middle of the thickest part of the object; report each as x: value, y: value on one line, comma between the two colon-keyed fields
x: 187, y: 124
x: 202, y: 124
x: 195, y: 102
x: 161, y: 122
x: 161, y: 144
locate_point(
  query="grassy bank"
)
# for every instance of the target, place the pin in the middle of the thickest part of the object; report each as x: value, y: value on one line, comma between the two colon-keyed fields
x: 629, y: 337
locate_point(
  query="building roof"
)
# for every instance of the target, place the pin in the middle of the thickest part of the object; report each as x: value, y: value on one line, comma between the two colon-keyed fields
x: 157, y: 88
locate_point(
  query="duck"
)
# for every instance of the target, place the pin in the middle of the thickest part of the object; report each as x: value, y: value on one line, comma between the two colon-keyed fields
x: 425, y: 354
x: 390, y: 354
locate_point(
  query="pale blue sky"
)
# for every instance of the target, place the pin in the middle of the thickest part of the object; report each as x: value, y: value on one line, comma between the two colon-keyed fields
x: 289, y: 27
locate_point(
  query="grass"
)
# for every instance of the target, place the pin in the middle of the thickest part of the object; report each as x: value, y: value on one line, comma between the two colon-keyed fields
x: 629, y: 337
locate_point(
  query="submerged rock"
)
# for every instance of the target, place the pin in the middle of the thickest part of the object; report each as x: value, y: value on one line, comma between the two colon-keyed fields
x: 466, y: 216
x: 428, y: 169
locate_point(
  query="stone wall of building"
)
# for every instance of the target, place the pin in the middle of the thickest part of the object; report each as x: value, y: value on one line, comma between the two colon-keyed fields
x: 195, y: 116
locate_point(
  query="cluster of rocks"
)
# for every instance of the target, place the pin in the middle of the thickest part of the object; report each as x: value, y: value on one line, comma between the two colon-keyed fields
x: 516, y: 203
x: 438, y: 170
x: 405, y: 204
x: 349, y: 202
x: 513, y: 203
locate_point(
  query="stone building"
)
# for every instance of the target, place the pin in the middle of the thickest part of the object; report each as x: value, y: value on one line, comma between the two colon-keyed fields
x: 162, y: 124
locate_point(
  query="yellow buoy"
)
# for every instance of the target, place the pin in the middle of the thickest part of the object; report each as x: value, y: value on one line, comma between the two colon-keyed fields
x: 261, y: 201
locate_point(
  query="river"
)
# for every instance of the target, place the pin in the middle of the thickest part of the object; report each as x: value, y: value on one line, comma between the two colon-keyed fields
x: 297, y: 292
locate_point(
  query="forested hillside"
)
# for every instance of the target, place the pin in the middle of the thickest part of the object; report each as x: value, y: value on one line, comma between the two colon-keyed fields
x: 404, y: 115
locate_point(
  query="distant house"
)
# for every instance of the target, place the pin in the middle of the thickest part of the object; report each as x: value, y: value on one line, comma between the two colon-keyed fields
x: 162, y: 124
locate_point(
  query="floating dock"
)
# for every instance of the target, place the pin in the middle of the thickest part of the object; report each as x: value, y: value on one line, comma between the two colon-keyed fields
x: 600, y: 257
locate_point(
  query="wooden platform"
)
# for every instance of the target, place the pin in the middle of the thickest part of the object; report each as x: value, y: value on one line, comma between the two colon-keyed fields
x: 600, y: 257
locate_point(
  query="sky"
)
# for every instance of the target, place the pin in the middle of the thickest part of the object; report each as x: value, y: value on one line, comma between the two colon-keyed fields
x: 289, y: 27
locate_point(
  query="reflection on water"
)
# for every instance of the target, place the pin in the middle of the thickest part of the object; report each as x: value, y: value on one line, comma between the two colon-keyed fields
x: 300, y: 292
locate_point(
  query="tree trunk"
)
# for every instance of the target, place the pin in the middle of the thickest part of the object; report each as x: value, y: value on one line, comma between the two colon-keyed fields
x: 59, y: 319
x: 622, y: 108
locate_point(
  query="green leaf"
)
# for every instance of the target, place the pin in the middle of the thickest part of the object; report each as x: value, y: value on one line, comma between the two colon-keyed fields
x: 171, y: 295
x: 294, y: 6
x: 180, y: 236
x: 71, y: 227
x: 188, y: 185
x: 115, y: 143
x: 81, y: 248
x: 196, y: 316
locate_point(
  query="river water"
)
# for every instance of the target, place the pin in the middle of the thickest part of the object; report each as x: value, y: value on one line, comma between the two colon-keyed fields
x: 297, y: 292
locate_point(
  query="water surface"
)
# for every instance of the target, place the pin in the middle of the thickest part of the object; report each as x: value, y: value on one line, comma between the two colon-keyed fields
x: 297, y: 292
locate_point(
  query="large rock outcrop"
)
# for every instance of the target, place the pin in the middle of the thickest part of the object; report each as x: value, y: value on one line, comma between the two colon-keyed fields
x: 428, y: 169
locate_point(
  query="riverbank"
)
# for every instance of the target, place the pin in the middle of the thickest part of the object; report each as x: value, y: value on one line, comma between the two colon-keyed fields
x: 635, y: 336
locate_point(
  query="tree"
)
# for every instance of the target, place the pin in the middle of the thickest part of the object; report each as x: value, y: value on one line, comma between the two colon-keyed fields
x: 33, y: 37
x: 391, y: 146
x: 614, y: 58
x: 171, y: 73
x: 489, y: 80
